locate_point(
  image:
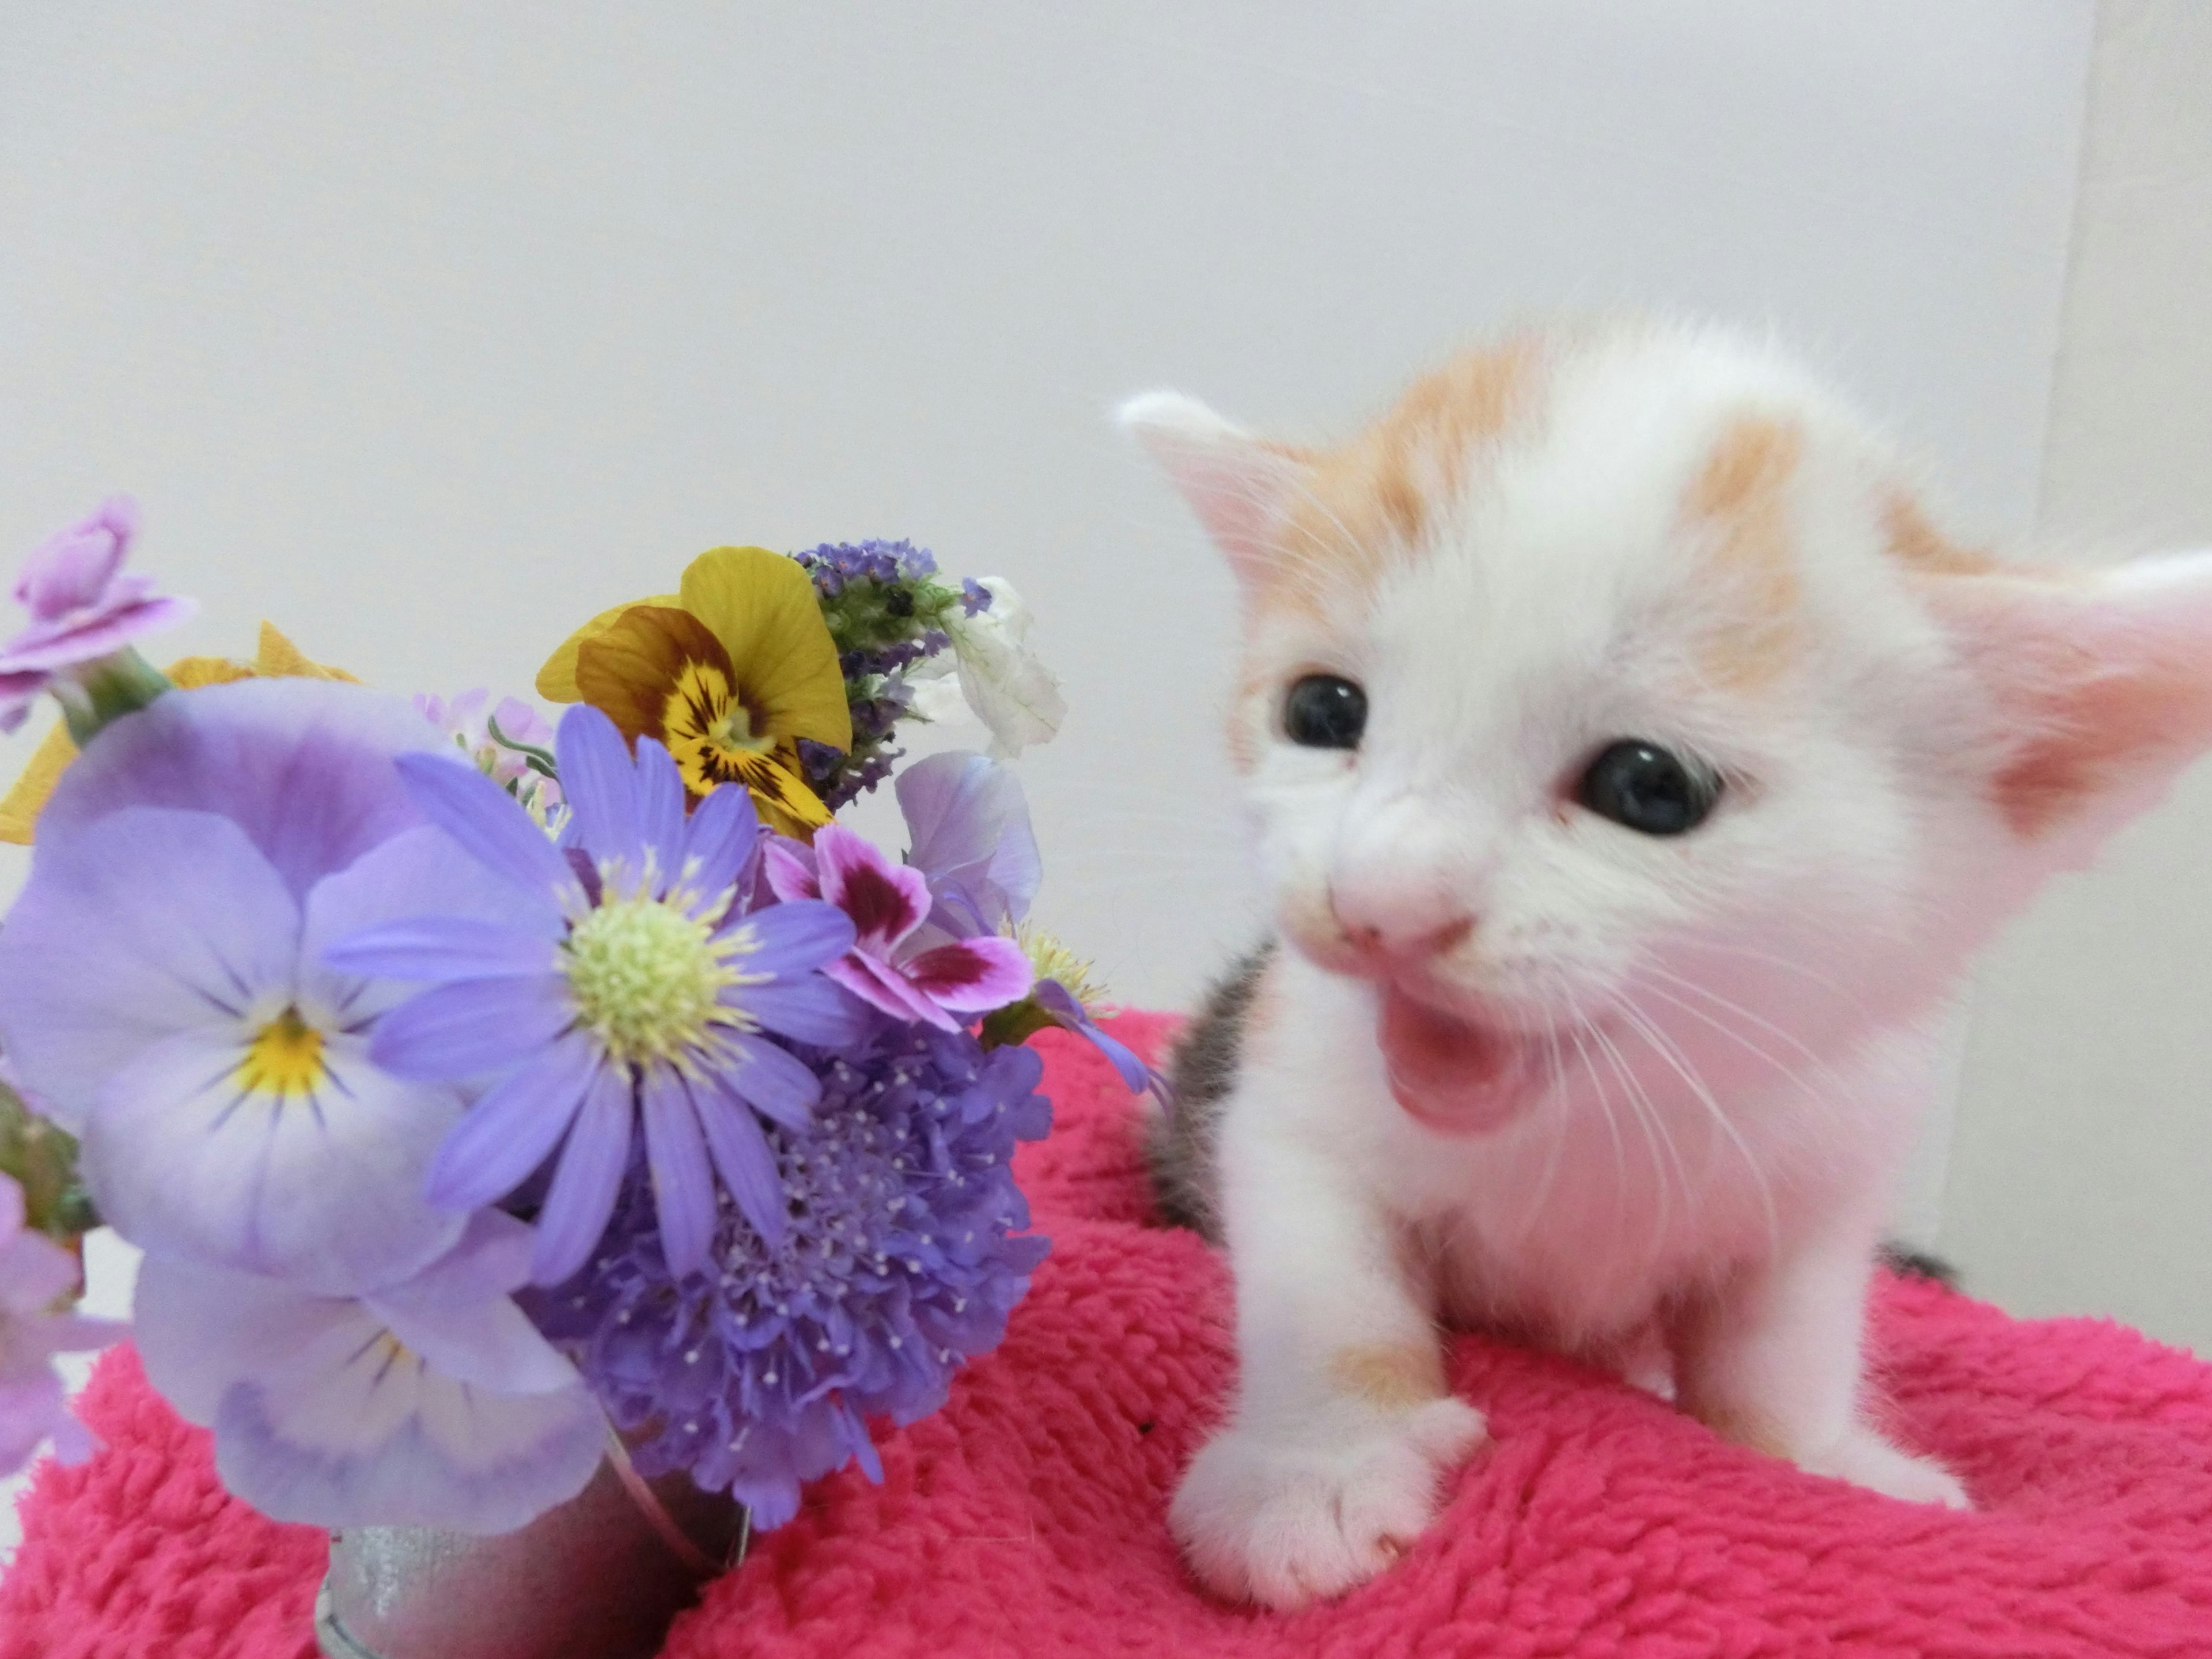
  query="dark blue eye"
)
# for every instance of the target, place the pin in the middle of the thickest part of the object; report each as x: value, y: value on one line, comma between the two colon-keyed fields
x: 1648, y: 789
x: 1325, y: 712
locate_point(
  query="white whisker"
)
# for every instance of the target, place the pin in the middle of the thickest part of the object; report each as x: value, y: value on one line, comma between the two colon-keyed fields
x: 1655, y: 1135
x: 1612, y: 1124
x: 1645, y: 1027
x: 1767, y: 1025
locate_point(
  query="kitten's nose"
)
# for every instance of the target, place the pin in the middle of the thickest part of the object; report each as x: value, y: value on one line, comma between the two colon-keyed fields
x: 1398, y: 925
x: 1395, y: 884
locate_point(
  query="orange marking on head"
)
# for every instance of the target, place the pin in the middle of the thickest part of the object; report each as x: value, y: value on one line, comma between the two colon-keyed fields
x: 1394, y: 1376
x: 1908, y: 536
x: 1739, y: 505
x: 1747, y: 471
x: 1371, y: 502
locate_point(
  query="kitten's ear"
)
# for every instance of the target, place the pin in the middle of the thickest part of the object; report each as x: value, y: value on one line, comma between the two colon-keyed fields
x: 1239, y: 486
x: 2104, y: 680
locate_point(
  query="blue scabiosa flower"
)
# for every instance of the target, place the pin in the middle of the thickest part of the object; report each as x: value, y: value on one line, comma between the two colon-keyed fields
x: 903, y: 1255
x: 629, y: 982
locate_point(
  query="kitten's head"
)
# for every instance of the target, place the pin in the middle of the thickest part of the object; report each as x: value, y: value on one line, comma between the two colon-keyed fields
x: 1612, y: 693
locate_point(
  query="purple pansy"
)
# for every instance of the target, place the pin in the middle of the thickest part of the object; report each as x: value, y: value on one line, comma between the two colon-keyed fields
x: 162, y: 991
x: 903, y: 1257
x: 625, y: 980
x: 431, y: 1403
x: 889, y: 966
x: 35, y: 1276
x: 81, y: 604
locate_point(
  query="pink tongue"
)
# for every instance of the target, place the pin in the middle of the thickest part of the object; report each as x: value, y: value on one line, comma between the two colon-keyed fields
x: 1451, y: 1075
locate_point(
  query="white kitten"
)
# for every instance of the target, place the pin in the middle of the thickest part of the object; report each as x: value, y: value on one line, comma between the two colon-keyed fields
x: 1635, y: 770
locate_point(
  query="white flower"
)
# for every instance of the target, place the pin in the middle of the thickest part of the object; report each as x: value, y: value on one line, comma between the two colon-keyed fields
x: 1003, y: 682
x: 935, y: 684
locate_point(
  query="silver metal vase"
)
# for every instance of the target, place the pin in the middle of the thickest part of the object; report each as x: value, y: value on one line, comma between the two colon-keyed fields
x: 601, y: 1576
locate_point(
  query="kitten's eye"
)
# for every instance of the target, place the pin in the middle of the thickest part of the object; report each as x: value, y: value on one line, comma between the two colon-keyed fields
x: 1648, y: 789
x: 1325, y: 712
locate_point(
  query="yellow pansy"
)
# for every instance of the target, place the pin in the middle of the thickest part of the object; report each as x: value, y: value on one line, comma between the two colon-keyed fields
x: 728, y: 674
x: 278, y: 659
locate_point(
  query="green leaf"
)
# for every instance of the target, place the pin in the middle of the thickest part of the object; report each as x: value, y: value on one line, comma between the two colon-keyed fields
x: 43, y: 1158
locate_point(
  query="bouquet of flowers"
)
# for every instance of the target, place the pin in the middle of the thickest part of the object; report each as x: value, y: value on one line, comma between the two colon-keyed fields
x: 481, y: 1090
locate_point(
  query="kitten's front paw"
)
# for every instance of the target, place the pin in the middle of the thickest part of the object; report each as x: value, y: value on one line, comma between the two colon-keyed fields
x: 1287, y: 1516
x: 1865, y: 1459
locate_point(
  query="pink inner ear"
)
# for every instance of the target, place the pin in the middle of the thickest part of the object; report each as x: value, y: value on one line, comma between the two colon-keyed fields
x: 2105, y: 679
x: 2104, y: 733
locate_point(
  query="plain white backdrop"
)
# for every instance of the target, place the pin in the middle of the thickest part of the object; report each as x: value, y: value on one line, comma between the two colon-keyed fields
x: 428, y: 330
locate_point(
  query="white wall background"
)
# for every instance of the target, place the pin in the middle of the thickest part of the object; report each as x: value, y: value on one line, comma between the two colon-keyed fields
x: 428, y: 330
x: 2081, y: 1177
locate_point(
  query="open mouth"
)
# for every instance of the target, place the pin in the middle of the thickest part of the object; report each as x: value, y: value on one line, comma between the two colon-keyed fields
x: 1449, y: 1074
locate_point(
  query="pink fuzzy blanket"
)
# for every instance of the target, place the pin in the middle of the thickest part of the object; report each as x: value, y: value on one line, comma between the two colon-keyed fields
x: 1026, y: 1519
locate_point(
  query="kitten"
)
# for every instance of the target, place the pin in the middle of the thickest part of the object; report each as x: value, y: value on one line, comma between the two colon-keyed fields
x: 1635, y: 769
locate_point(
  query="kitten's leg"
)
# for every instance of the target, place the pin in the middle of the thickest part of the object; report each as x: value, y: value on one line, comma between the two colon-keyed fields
x: 1773, y: 1361
x: 1342, y: 1429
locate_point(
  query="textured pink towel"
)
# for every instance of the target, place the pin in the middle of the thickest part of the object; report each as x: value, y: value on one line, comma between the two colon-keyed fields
x: 1025, y: 1520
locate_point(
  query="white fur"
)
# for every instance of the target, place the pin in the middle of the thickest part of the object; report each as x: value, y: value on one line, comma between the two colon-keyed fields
x: 1730, y: 1025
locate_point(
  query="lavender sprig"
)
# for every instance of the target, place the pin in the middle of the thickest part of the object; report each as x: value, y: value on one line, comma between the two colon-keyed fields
x: 888, y: 608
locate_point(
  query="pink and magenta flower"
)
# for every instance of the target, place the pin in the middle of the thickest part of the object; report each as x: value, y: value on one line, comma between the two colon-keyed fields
x: 946, y: 985
x: 970, y: 839
x: 82, y: 606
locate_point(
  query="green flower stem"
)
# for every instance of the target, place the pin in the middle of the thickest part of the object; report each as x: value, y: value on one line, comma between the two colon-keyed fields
x: 541, y: 760
x: 1018, y: 1022
x: 105, y: 690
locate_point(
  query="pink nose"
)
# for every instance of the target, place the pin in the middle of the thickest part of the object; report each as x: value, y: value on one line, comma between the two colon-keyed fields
x: 1408, y: 932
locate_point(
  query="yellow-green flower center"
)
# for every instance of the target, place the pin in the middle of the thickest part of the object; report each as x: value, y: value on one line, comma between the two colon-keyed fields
x: 647, y: 978
x: 1050, y: 959
x: 284, y: 1058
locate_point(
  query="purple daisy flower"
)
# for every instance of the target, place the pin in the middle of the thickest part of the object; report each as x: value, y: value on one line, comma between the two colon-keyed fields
x: 903, y: 1257
x: 82, y: 606
x: 162, y: 991
x: 431, y: 1403
x: 625, y: 979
